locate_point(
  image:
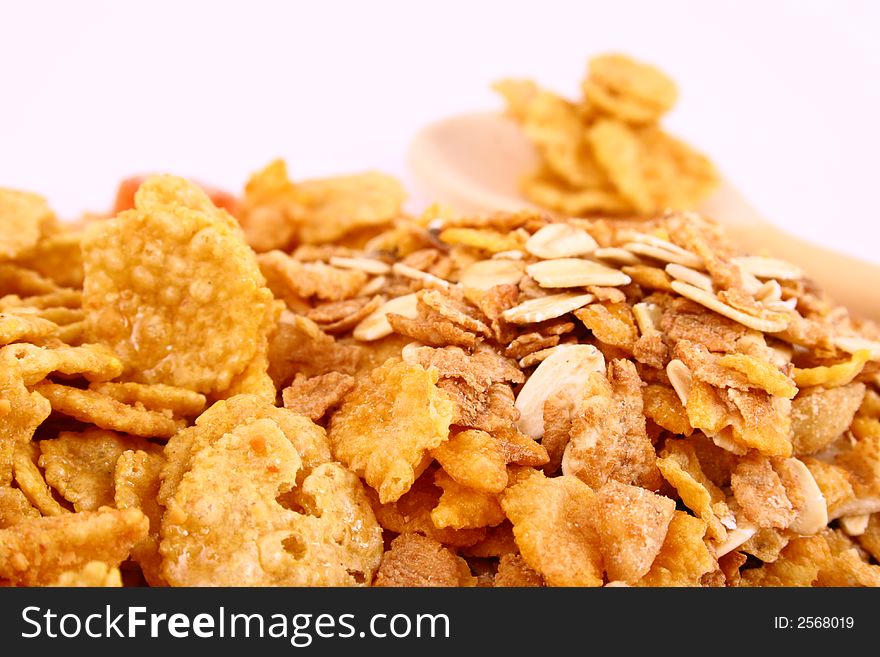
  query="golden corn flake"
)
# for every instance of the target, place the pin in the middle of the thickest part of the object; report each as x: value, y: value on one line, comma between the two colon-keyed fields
x: 631, y: 523
x: 387, y: 423
x: 513, y: 571
x: 25, y: 328
x: 765, y: 424
x: 461, y: 507
x: 238, y: 517
x: 684, y: 557
x: 608, y: 434
x: 820, y: 415
x: 80, y: 466
x: 416, y: 560
x: 31, y: 481
x: 834, y: 482
x: 830, y: 376
x: 136, y: 480
x: 619, y: 153
x: 93, y: 574
x: 24, y: 217
x: 107, y: 413
x: 24, y: 412
x: 553, y: 525
x: 761, y: 374
x: 36, y: 552
x: 474, y: 459
x: 14, y: 507
x: 681, y: 468
x: 224, y: 416
x: 155, y: 397
x: 94, y: 362
x: 798, y: 564
x: 870, y: 539
x: 612, y: 323
x: 665, y: 409
x: 58, y: 258
x: 337, y: 206
x: 760, y: 493
x: 173, y: 289
x: 628, y: 89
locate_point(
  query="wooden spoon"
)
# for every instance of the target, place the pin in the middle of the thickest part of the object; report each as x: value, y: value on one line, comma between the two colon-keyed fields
x: 474, y: 162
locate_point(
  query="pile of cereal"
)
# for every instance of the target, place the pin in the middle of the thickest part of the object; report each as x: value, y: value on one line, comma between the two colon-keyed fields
x: 606, y: 154
x: 309, y: 387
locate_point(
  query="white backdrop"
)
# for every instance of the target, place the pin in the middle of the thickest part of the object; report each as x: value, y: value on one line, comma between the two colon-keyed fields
x: 783, y: 95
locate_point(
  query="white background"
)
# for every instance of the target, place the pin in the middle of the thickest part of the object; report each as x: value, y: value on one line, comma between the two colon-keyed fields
x: 783, y: 95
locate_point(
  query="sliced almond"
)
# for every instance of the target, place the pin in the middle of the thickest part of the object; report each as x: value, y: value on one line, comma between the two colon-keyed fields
x: 724, y: 440
x: 857, y: 507
x: 681, y: 379
x: 691, y: 276
x: 560, y: 241
x: 712, y: 302
x: 618, y: 255
x: 369, y: 265
x: 544, y: 308
x: 567, y: 368
x: 735, y: 538
x: 486, y: 274
x: 575, y: 272
x: 764, y: 267
x: 615, y: 584
x: 770, y: 292
x: 660, y: 249
x: 429, y: 280
x: 855, y: 525
x: 647, y: 316
x: 814, y: 516
x: 514, y: 254
x: 851, y: 344
x: 375, y: 325
x: 373, y: 286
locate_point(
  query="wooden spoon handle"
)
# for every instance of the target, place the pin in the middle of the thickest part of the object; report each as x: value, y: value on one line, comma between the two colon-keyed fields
x: 849, y: 280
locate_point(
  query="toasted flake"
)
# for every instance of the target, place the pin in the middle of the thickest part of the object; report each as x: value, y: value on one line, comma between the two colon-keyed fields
x: 760, y: 494
x: 462, y: 507
x: 474, y: 459
x: 107, y: 413
x: 761, y: 374
x: 240, y: 517
x: 819, y: 416
x: 831, y: 376
x: 93, y: 574
x: 24, y: 217
x: 32, y: 482
x: 80, y: 466
x: 376, y: 326
x: 23, y: 412
x: 631, y: 523
x: 172, y: 288
x: 553, y: 525
x: 155, y: 397
x: 37, y: 551
x: 560, y: 240
x: 541, y: 309
x: 567, y: 368
x: 684, y: 557
x: 415, y: 560
x: 575, y: 272
x: 387, y: 424
x: 93, y: 361
x: 313, y: 396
